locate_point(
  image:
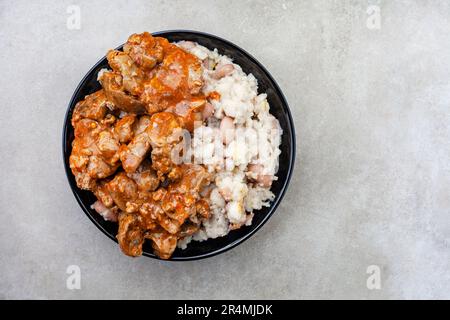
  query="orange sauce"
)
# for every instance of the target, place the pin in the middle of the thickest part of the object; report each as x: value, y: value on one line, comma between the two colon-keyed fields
x: 213, y: 95
x: 168, y: 83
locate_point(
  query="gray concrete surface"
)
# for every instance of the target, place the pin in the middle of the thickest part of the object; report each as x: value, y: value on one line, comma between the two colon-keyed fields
x: 372, y: 178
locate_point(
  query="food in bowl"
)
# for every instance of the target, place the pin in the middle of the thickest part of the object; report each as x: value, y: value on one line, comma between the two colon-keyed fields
x: 177, y: 145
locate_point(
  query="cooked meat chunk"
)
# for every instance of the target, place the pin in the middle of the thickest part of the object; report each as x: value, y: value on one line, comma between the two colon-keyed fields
x: 160, y: 134
x: 132, y: 154
x: 141, y: 125
x: 123, y: 190
x: 132, y: 76
x: 151, y: 75
x: 188, y: 229
x: 94, y: 152
x: 191, y: 113
x: 164, y: 243
x: 194, y: 179
x: 165, y: 132
x: 109, y: 214
x: 145, y: 50
x: 163, y: 129
x: 180, y: 200
x: 124, y: 128
x: 145, y: 177
x: 130, y: 234
x: 94, y: 106
x: 178, y: 78
x: 112, y: 84
x: 102, y: 193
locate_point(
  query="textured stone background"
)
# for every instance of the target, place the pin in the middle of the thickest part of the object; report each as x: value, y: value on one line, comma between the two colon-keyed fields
x: 371, y: 185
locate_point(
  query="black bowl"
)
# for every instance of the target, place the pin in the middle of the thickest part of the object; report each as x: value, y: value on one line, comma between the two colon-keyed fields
x: 278, y: 107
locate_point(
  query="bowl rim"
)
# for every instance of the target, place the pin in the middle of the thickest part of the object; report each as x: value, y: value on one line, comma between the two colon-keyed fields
x: 274, y: 205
